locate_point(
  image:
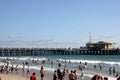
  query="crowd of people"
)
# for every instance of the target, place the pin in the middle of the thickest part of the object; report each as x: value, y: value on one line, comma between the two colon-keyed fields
x: 7, y: 68
x: 98, y: 77
x: 57, y: 74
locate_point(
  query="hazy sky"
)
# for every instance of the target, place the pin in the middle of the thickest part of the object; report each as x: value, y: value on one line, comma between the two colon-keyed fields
x: 58, y: 23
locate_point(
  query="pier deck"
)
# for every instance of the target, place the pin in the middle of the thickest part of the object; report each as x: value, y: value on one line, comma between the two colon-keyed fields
x: 54, y: 51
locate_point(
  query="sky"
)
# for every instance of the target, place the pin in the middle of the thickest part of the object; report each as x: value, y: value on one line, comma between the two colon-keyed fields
x: 58, y: 23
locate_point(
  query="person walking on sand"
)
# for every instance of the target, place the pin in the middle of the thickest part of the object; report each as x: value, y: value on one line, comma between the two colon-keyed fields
x: 55, y: 76
x: 33, y: 76
x: 42, y: 72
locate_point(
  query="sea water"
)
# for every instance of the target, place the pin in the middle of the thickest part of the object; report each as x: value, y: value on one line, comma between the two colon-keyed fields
x: 72, y: 62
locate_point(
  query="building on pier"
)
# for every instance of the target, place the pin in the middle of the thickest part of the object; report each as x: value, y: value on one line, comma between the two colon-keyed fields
x: 101, y: 45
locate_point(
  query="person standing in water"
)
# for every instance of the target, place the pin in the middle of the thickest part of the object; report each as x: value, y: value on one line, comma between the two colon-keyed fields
x: 81, y: 76
x: 75, y: 75
x: 114, y: 71
x: 71, y: 76
x: 100, y: 66
x: 110, y: 70
x: 95, y: 67
x: 64, y: 71
x: 12, y: 68
x: 42, y: 72
x: 28, y: 70
x: 16, y: 69
x: 23, y: 68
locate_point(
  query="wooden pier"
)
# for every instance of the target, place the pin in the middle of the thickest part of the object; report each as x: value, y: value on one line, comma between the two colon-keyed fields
x: 54, y: 51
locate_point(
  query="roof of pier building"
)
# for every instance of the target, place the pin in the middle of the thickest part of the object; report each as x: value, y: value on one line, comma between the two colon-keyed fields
x: 102, y: 42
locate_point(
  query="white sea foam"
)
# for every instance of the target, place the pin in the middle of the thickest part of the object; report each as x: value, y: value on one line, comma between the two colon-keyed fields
x: 1, y: 63
x: 24, y: 58
x: 41, y: 58
x: 92, y: 61
x: 71, y: 60
x: 32, y: 67
x: 21, y: 58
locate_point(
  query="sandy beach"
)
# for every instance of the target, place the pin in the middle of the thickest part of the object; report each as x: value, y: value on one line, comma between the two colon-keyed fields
x: 20, y: 76
x: 12, y: 77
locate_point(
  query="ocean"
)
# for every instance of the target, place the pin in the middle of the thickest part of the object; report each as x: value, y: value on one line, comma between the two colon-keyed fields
x: 72, y: 62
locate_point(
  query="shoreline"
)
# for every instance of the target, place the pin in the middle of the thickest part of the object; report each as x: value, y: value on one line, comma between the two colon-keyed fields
x: 48, y: 76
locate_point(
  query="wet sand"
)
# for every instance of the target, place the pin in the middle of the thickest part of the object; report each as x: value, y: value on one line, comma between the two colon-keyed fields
x: 12, y: 77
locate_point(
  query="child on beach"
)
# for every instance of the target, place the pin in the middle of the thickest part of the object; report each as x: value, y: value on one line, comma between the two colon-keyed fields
x: 12, y: 68
x: 33, y: 76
